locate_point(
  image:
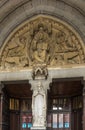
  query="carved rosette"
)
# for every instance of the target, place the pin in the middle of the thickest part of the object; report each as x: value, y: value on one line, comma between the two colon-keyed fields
x: 42, y: 40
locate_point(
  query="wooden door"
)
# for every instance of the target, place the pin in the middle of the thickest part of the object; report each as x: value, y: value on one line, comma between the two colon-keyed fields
x: 76, y: 120
x: 14, y: 121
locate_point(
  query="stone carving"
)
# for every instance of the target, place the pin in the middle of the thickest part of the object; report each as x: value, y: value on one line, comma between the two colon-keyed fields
x: 66, y: 51
x: 15, y: 53
x: 39, y: 106
x: 40, y: 46
x: 40, y: 72
x: 43, y: 40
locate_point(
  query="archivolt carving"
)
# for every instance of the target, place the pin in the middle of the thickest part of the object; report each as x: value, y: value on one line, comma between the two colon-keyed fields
x: 42, y: 41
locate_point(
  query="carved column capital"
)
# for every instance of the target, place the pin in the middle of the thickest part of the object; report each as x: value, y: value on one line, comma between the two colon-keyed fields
x: 44, y: 83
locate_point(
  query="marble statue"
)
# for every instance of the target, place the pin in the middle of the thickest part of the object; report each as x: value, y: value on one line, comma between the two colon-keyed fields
x: 39, y: 106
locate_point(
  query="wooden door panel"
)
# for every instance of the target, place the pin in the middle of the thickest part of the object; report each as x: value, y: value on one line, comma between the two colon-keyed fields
x: 14, y: 121
x: 77, y: 120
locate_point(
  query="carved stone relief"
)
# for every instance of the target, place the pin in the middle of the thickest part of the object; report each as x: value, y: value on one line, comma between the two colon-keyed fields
x: 40, y: 72
x: 43, y: 40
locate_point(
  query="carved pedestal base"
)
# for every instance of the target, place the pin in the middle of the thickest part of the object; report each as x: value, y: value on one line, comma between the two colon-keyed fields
x: 38, y: 128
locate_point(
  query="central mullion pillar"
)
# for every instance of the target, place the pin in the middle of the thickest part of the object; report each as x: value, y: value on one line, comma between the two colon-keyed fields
x: 39, y: 103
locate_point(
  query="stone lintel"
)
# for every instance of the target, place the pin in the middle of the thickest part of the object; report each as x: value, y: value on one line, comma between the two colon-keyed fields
x: 52, y: 73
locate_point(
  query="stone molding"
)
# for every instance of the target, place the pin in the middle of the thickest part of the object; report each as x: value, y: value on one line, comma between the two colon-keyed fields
x: 57, y: 9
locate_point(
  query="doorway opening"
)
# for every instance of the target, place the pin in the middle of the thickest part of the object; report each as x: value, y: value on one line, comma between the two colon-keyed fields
x: 17, y: 111
x: 65, y: 104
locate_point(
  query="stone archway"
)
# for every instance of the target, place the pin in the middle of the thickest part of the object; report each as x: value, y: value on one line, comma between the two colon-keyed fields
x: 45, y: 47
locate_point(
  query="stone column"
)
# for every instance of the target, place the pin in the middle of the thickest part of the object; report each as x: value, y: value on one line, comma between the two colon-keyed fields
x: 1, y: 105
x: 83, y: 123
x: 39, y: 85
x: 39, y: 103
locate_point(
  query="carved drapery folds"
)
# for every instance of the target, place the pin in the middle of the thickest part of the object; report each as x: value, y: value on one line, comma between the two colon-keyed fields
x: 42, y: 40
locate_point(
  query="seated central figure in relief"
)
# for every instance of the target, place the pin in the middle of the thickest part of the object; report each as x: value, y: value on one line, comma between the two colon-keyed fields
x: 40, y: 46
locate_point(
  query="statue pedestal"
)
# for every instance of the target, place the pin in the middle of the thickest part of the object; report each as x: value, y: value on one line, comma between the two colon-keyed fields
x: 38, y: 128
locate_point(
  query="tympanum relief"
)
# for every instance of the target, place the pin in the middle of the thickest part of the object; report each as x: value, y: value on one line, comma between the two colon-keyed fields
x: 42, y: 40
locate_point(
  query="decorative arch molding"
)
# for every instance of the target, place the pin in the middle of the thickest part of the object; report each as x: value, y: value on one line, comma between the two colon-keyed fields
x: 42, y: 40
x: 68, y: 11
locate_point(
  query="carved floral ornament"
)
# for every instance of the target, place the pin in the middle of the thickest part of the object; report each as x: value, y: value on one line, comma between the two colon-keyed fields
x: 43, y: 40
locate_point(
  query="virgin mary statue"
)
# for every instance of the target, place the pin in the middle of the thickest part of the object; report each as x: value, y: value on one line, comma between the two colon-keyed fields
x: 39, y: 106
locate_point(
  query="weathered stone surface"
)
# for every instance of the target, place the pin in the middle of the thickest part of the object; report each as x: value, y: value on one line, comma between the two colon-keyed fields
x: 70, y: 12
